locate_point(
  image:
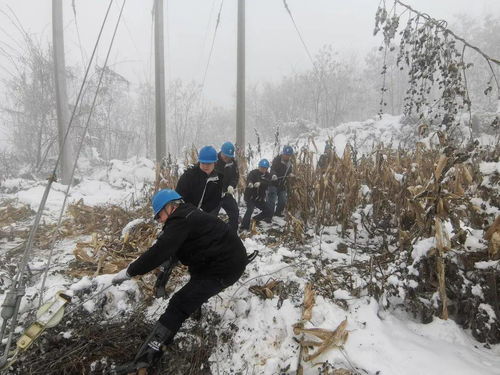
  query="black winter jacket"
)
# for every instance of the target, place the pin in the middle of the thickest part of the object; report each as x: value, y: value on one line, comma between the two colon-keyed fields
x: 257, y: 194
x: 324, y: 160
x: 228, y: 173
x: 281, y: 169
x: 198, y: 240
x: 194, y: 182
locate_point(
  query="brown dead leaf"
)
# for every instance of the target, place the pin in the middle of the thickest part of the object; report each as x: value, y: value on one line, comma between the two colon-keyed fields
x: 328, y: 339
x: 266, y: 291
x: 492, y: 235
x: 440, y: 166
x: 467, y: 175
x: 309, y: 297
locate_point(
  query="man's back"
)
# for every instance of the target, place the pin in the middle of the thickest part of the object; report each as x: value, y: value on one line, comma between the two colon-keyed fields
x: 210, y: 247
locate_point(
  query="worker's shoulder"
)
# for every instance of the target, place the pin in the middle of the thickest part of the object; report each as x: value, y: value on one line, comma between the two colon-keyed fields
x: 183, y: 211
x: 233, y: 164
x: 192, y: 169
x: 254, y: 172
x: 190, y: 177
x: 277, y: 159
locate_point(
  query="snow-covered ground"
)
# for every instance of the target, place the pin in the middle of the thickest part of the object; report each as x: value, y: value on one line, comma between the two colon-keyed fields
x: 381, y: 341
x: 363, y: 136
x: 121, y: 183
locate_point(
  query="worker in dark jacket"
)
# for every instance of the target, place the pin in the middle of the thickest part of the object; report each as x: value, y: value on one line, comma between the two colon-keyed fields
x: 200, y: 184
x: 255, y: 194
x: 227, y: 169
x: 281, y: 171
x: 326, y: 158
x: 214, y: 254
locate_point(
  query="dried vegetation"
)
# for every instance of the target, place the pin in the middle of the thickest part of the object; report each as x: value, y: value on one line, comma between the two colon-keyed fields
x: 107, y: 251
x: 323, y: 339
x: 398, y: 197
x: 86, y: 350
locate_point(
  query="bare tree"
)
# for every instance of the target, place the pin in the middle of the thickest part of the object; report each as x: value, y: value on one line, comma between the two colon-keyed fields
x: 30, y: 104
x: 144, y: 118
x: 185, y: 115
x: 112, y: 130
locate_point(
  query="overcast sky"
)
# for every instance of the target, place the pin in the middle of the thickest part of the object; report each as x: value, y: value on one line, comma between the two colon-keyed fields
x: 273, y: 46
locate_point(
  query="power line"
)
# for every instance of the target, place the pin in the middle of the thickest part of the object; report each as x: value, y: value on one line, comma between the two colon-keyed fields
x: 206, y: 33
x: 103, y: 70
x: 298, y: 32
x: 315, y: 71
x: 151, y: 42
x: 73, y: 5
x: 212, y: 46
x: 124, y: 20
x: 13, y: 297
x: 169, y: 50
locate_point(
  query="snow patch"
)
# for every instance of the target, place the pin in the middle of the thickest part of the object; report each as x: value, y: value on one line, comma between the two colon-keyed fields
x: 421, y: 248
x: 127, y: 228
x: 489, y: 311
x: 486, y: 264
x: 341, y: 294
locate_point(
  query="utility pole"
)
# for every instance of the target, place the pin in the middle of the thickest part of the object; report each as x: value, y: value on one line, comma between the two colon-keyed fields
x: 159, y: 83
x: 61, y: 95
x: 240, y: 82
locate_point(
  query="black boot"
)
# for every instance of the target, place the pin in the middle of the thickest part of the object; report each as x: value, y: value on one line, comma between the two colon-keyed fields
x: 150, y: 351
x: 197, y: 314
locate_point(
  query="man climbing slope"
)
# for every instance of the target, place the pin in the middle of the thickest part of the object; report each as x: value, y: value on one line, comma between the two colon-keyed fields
x: 227, y: 169
x: 200, y: 184
x: 214, y: 254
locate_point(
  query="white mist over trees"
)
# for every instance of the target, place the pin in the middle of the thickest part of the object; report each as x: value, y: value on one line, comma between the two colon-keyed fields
x: 335, y: 90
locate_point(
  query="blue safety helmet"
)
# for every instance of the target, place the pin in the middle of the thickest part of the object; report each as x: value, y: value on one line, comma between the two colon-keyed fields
x: 207, y: 155
x: 162, y: 198
x: 227, y: 149
x: 264, y: 163
x: 287, y: 150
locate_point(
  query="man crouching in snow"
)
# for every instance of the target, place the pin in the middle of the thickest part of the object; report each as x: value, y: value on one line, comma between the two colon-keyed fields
x: 214, y: 254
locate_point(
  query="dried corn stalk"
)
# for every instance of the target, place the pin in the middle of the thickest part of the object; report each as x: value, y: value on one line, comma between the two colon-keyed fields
x: 442, y: 245
x: 109, y: 254
x: 267, y: 290
x: 167, y: 173
x: 438, y: 172
x: 10, y: 213
x: 328, y: 339
x: 492, y: 235
x: 309, y: 297
x: 97, y: 259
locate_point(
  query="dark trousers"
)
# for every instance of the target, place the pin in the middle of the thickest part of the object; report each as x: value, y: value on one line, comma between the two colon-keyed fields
x: 274, y: 193
x: 265, y: 213
x: 189, y: 299
x: 228, y: 203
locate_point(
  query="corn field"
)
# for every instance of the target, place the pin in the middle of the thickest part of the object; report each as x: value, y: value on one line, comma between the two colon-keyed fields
x: 399, y: 197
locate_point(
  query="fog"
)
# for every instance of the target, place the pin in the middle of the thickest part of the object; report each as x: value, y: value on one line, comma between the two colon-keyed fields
x: 316, y: 68
x: 273, y: 47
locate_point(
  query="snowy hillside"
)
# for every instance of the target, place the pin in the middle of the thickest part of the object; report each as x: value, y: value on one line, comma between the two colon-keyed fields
x: 250, y: 328
x: 390, y: 131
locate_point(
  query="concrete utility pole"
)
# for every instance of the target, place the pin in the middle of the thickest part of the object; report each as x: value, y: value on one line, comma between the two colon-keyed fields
x: 159, y: 83
x: 61, y: 95
x: 240, y: 83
